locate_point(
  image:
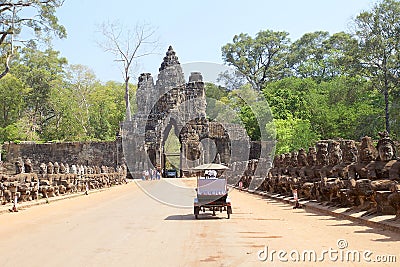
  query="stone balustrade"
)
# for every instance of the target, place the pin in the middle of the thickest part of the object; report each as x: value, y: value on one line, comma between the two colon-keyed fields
x: 54, y: 179
x: 360, y: 176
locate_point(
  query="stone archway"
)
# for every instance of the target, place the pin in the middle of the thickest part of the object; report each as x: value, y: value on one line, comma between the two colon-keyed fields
x: 173, y: 102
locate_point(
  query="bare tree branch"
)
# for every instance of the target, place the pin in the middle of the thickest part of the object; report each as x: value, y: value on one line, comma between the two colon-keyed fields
x: 127, y: 47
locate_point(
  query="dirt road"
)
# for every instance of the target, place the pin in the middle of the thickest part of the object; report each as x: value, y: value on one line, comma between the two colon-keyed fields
x: 123, y: 226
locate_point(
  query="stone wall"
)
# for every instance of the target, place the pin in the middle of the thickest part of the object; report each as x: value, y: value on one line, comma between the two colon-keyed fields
x: 80, y: 153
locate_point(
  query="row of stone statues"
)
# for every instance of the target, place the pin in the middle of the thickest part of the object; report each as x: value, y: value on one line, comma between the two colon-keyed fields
x: 361, y: 176
x: 53, y: 179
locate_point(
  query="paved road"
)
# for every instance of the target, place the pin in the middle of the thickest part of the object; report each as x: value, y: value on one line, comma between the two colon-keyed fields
x: 123, y: 226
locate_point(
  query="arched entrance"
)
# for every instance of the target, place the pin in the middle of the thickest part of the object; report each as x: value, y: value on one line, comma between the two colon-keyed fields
x: 171, y: 151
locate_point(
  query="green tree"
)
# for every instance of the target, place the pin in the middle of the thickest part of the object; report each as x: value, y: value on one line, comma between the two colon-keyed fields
x: 12, y: 95
x: 217, y: 101
x: 292, y: 134
x: 107, y: 109
x: 260, y: 59
x: 42, y: 71
x: 379, y: 42
x: 289, y: 97
x: 66, y: 124
x: 344, y: 107
x: 307, y: 55
x: 18, y: 17
x: 252, y: 111
x: 232, y: 79
x: 322, y: 57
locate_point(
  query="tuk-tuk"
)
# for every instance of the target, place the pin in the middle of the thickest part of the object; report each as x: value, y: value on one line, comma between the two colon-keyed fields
x: 212, y: 190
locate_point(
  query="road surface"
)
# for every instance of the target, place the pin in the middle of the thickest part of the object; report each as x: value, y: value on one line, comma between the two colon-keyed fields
x: 147, y: 224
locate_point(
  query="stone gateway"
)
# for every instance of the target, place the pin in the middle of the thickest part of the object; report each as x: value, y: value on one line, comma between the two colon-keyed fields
x: 171, y: 102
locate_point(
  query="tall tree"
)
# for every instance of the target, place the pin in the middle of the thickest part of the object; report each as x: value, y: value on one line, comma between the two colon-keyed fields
x: 322, y: 57
x: 379, y: 41
x: 232, y: 79
x: 12, y: 94
x: 42, y: 71
x: 260, y: 59
x: 107, y: 109
x: 81, y: 82
x: 307, y: 55
x: 18, y: 16
x: 127, y: 46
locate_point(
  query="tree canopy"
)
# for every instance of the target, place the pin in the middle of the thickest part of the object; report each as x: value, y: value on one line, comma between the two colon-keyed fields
x: 17, y: 17
x: 322, y: 85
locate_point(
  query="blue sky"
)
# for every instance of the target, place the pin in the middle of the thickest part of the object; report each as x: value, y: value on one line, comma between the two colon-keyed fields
x: 196, y: 29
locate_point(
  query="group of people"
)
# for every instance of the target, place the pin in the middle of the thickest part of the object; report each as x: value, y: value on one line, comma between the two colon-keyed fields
x: 151, y: 174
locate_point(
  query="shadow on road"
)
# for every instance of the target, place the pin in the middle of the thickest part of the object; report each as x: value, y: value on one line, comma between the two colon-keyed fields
x: 190, y: 217
x: 180, y: 217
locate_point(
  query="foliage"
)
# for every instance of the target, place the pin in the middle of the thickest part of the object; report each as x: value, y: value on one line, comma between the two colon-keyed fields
x: 260, y: 59
x: 232, y: 79
x: 42, y: 72
x: 46, y: 99
x: 319, y: 56
x: 21, y: 17
x: 320, y: 86
x: 12, y: 95
x: 289, y: 97
x: 252, y: 111
x: 292, y: 134
x: 344, y: 108
x: 379, y: 48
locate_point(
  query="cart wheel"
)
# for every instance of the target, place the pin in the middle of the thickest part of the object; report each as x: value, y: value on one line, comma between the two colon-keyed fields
x: 196, y: 212
x: 229, y: 212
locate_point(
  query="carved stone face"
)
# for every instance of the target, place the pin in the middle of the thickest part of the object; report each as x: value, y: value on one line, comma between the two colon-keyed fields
x: 366, y: 154
x: 386, y: 152
x: 335, y: 156
x: 302, y: 158
x: 367, y: 150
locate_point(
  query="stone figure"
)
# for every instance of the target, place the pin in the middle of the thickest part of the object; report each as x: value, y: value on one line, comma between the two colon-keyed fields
x: 62, y: 168
x: 378, y: 172
x: 56, y: 167
x: 50, y: 168
x: 28, y: 166
x: 394, y: 200
x: 360, y: 186
x: 74, y: 169
x: 19, y: 167
x: 42, y: 168
x: 331, y: 184
x: 350, y: 157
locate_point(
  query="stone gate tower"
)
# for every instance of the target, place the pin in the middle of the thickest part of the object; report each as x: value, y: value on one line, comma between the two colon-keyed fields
x: 170, y: 101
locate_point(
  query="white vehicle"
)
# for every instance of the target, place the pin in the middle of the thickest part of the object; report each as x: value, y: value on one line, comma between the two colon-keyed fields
x: 212, y: 191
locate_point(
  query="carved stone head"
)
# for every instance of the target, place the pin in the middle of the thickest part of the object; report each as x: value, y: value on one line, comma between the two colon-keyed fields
x: 50, y: 167
x: 311, y: 156
x: 43, y: 168
x: 302, y: 158
x: 19, y: 167
x: 288, y: 159
x: 386, y: 147
x: 28, y: 166
x: 335, y: 153
x: 350, y: 152
x: 294, y: 158
x: 322, y: 153
x: 367, y: 150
